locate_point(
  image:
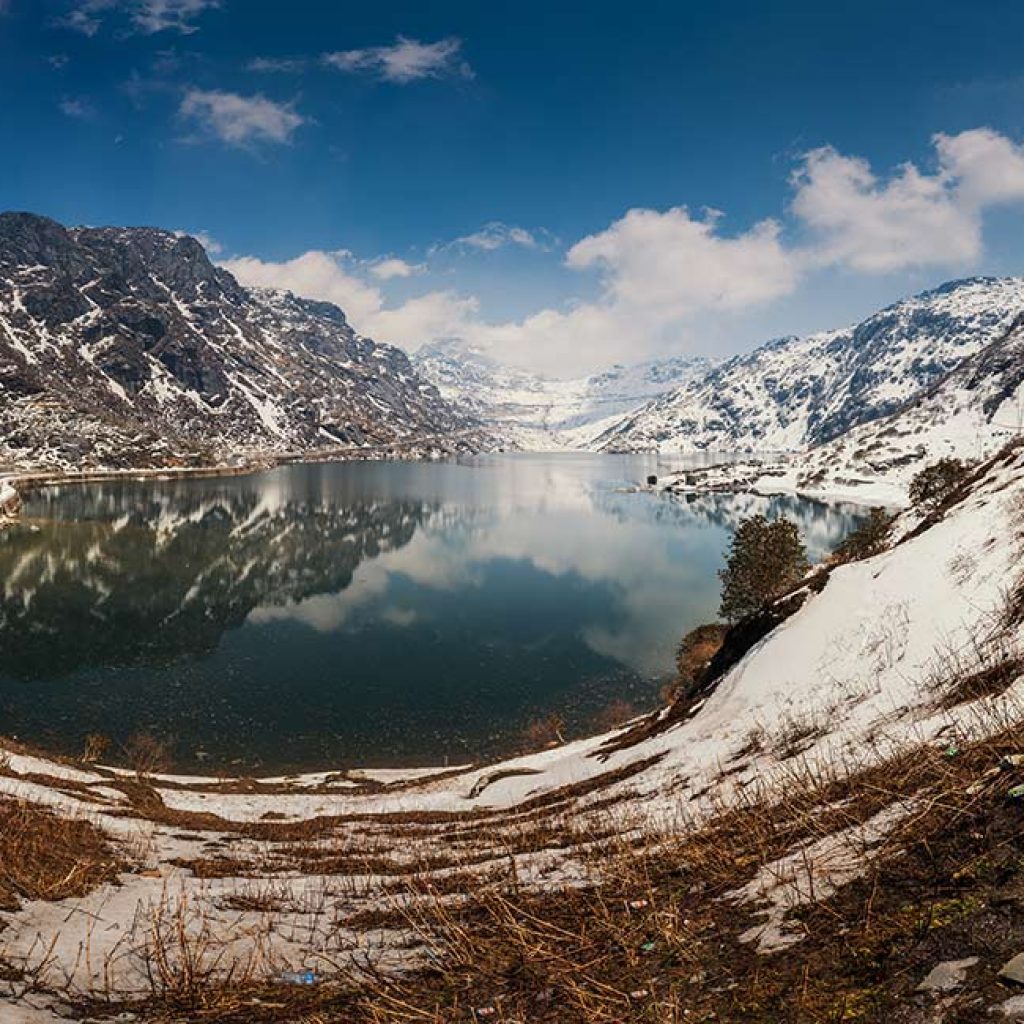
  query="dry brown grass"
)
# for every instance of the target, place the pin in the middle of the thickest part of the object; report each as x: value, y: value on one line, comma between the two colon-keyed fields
x: 650, y: 933
x: 45, y: 857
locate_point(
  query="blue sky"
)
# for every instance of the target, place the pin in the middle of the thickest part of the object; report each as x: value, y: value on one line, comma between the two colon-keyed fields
x: 564, y: 184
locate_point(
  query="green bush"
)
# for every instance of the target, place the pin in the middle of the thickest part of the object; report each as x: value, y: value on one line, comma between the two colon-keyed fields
x: 934, y: 485
x: 869, y: 538
x: 764, y: 559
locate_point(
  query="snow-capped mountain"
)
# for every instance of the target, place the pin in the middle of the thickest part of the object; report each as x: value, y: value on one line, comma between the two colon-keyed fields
x: 123, y: 347
x: 536, y: 413
x: 970, y: 413
x: 792, y: 393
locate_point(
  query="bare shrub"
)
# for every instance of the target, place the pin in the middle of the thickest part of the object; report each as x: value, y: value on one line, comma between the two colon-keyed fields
x: 95, y: 746
x: 147, y: 754
x: 619, y: 712
x: 544, y: 732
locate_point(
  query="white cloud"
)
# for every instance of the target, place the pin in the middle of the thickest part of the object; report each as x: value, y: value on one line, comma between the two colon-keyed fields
x: 496, y: 235
x: 672, y: 262
x: 85, y: 17
x: 313, y: 275
x: 664, y: 277
x: 390, y: 267
x: 437, y: 314
x: 281, y: 65
x: 78, y: 108
x: 330, y: 276
x: 406, y: 60
x: 240, y: 120
x: 987, y: 168
x: 145, y: 16
x: 150, y: 16
x: 857, y: 221
x: 913, y: 219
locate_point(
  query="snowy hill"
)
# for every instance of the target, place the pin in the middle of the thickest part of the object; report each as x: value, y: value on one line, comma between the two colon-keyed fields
x: 796, y: 392
x: 535, y: 413
x: 969, y: 413
x: 127, y: 347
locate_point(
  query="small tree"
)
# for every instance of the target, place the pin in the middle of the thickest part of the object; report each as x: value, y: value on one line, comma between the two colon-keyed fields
x: 763, y: 560
x: 932, y: 487
x: 869, y: 538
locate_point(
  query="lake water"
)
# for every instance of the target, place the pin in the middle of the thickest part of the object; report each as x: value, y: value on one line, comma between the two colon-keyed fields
x: 358, y: 614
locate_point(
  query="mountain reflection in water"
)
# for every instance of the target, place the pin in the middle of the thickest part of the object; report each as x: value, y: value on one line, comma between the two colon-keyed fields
x: 359, y: 613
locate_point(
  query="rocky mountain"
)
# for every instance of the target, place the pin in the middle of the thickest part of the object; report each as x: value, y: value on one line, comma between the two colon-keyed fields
x: 792, y: 393
x: 128, y: 347
x: 533, y: 412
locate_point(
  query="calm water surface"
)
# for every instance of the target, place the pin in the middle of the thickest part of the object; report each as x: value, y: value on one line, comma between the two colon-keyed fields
x: 358, y: 614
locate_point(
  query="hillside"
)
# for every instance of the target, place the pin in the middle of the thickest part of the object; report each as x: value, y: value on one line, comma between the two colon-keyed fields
x: 536, y: 413
x: 967, y: 414
x: 795, y: 393
x: 830, y: 819
x: 127, y: 347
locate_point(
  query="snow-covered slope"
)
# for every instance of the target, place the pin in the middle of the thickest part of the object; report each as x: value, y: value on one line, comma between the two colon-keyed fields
x: 535, y: 413
x: 795, y: 392
x: 874, y: 664
x: 122, y: 347
x: 968, y: 414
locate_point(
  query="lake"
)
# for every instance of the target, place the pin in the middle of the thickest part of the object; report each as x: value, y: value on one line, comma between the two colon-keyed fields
x: 359, y: 613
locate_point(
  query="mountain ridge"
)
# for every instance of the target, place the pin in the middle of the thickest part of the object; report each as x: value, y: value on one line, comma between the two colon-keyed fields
x: 793, y: 393
x: 129, y: 347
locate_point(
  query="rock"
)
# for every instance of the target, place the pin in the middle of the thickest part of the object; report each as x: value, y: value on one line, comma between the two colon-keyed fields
x: 946, y: 976
x: 1013, y: 970
x: 10, y: 500
x: 1012, y: 1008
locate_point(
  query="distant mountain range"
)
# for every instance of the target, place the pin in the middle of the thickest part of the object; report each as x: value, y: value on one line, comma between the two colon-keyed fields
x: 536, y: 413
x: 128, y: 347
x: 794, y: 393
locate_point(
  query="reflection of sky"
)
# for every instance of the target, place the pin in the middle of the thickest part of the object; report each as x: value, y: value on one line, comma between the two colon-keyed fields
x: 564, y: 517
x: 366, y: 613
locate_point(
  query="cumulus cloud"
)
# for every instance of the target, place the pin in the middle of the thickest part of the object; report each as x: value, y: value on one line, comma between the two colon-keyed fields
x: 663, y: 276
x: 858, y: 221
x: 987, y: 168
x: 406, y: 60
x: 314, y: 275
x: 675, y: 262
x: 390, y: 267
x: 334, y: 277
x: 145, y: 16
x: 240, y: 120
x: 914, y: 218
